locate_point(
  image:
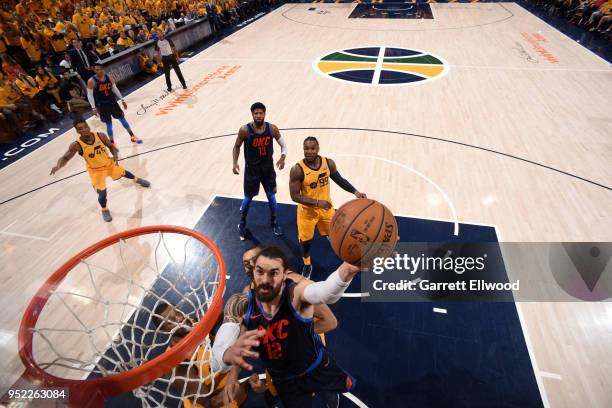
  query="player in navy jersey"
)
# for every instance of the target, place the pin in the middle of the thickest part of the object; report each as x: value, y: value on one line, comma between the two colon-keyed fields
x: 102, y: 94
x: 259, y: 164
x: 282, y: 313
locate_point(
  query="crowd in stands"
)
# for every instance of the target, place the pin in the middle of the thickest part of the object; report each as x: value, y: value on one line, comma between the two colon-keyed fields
x: 48, y: 48
x: 593, y: 15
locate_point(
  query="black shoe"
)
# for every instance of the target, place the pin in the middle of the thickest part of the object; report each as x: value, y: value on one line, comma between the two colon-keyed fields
x: 276, y: 229
x: 144, y: 183
x: 106, y: 216
x: 307, y: 271
x: 242, y: 231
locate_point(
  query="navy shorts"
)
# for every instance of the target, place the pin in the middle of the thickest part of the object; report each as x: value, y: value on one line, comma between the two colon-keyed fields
x: 109, y: 111
x: 328, y: 377
x: 263, y: 174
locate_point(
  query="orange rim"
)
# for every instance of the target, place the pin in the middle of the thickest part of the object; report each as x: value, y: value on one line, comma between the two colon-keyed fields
x: 94, y: 392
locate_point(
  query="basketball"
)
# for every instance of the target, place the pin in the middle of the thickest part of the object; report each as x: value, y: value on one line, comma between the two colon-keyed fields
x: 361, y: 230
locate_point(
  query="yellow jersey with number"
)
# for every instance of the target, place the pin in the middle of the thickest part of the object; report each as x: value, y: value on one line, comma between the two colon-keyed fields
x: 316, y: 182
x: 96, y: 155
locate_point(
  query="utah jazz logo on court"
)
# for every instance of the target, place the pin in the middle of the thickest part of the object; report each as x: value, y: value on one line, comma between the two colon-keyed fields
x: 382, y: 66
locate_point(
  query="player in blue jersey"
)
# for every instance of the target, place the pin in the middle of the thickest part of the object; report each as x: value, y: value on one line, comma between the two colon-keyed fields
x: 103, y: 94
x: 282, y: 311
x: 257, y: 137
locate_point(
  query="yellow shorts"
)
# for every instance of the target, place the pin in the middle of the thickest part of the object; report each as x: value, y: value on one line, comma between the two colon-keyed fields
x: 309, y: 217
x: 98, y: 176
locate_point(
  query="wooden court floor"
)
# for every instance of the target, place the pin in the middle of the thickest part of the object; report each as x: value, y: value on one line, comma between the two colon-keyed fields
x: 516, y: 134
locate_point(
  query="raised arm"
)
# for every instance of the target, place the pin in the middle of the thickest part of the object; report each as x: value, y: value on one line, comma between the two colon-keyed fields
x: 344, y: 184
x: 242, y: 135
x: 280, y: 164
x: 324, y: 318
x: 72, y: 150
x: 328, y: 291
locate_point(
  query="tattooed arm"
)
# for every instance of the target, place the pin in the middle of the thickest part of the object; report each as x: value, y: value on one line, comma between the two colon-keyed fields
x: 229, y: 336
x: 235, y: 308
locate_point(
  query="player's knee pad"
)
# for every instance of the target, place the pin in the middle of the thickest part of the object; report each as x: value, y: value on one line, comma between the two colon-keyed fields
x: 246, y: 203
x: 102, y: 197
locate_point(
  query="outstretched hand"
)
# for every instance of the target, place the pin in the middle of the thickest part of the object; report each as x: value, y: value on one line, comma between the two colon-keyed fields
x: 53, y: 170
x: 242, y: 349
x: 348, y: 271
x: 360, y: 195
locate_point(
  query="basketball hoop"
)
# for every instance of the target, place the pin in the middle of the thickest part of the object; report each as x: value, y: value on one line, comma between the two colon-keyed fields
x: 194, y: 285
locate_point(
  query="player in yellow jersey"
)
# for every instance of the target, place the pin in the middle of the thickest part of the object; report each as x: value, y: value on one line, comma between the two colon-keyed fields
x: 309, y: 187
x: 193, y: 378
x: 93, y: 147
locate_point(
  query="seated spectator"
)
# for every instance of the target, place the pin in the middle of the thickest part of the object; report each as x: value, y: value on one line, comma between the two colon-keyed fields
x: 124, y: 40
x: 116, y: 26
x: 132, y: 36
x: 163, y: 27
x: 146, y: 63
x: 604, y: 22
x: 139, y: 17
x: 110, y: 45
x: 100, y: 49
x: 102, y: 29
x: 66, y: 63
x: 8, y: 109
x: 170, y: 24
x: 52, y: 67
x: 10, y: 67
x: 147, y: 32
x: 155, y: 29
x: 604, y: 15
x: 141, y: 37
x: 49, y: 83
x: 11, y: 99
x: 72, y: 92
x: 41, y: 99
x: 189, y: 17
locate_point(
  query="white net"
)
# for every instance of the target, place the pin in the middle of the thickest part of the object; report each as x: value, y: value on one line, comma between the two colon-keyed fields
x: 125, y: 305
